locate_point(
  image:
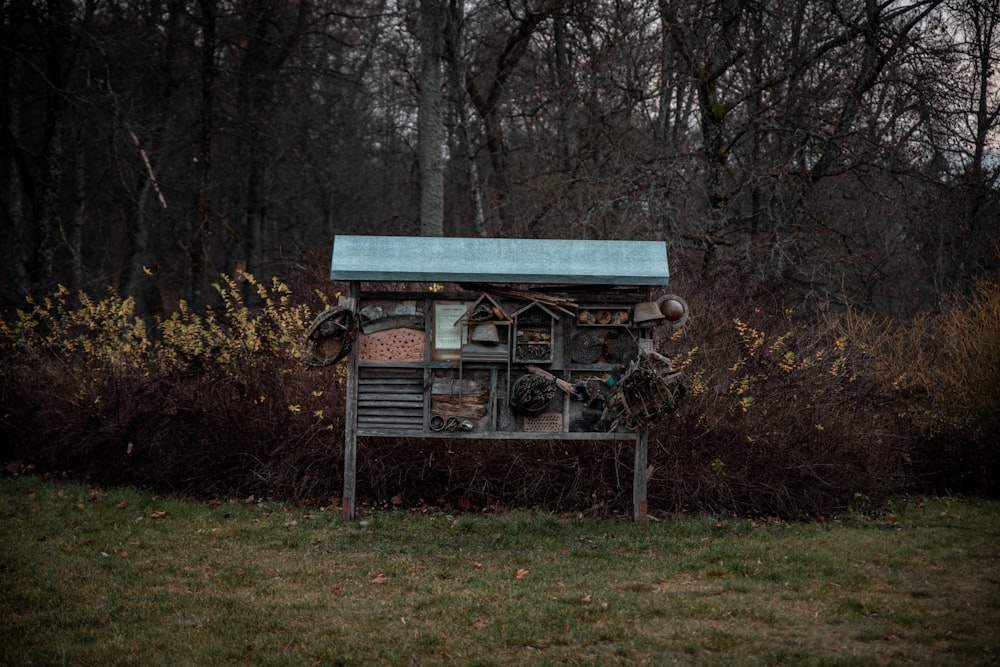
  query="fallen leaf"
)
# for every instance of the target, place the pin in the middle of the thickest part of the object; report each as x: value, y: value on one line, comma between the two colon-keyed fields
x: 158, y: 516
x: 214, y: 503
x: 478, y: 625
x: 122, y: 505
x: 476, y: 564
x: 123, y: 554
x: 380, y: 579
x: 586, y: 599
x: 522, y: 573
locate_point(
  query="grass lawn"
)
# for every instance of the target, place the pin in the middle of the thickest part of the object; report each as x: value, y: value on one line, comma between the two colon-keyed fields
x: 121, y: 577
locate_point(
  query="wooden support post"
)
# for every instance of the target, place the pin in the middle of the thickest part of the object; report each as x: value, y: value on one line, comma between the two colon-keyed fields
x: 351, y: 424
x: 639, y: 475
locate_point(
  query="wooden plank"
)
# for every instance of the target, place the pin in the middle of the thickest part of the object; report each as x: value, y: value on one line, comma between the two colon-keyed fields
x: 639, y: 475
x: 382, y: 420
x: 402, y: 394
x: 392, y: 390
x: 390, y: 374
x: 392, y: 412
x: 409, y: 427
x: 390, y: 380
x: 391, y: 402
x: 393, y: 322
x: 350, y: 426
x: 456, y: 386
x: 495, y: 435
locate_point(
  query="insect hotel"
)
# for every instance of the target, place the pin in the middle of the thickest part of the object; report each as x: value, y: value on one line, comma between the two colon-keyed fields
x: 471, y: 338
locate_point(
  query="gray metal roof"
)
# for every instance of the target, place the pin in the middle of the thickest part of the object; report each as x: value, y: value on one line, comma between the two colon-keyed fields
x: 493, y: 260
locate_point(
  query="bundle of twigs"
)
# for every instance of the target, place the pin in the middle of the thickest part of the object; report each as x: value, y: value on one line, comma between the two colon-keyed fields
x: 563, y: 304
x: 648, y: 389
x: 330, y: 337
x: 562, y: 384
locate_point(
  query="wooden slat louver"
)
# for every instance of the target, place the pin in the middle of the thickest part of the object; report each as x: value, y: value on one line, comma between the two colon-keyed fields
x: 390, y: 399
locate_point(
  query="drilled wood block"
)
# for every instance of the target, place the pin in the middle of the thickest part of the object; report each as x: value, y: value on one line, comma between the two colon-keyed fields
x: 392, y: 345
x: 549, y: 422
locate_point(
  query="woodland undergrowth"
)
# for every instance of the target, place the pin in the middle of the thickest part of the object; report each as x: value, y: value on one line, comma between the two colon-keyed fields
x: 787, y: 413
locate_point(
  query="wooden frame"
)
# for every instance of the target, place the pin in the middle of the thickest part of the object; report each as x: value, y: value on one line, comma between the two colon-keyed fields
x: 436, y: 384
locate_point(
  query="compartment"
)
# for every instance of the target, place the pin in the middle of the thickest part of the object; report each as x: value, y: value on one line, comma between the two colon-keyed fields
x: 604, y: 315
x: 534, y: 334
x: 390, y: 399
x: 460, y: 404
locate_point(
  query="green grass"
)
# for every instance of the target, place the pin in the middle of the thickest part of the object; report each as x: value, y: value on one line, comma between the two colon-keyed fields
x: 90, y: 577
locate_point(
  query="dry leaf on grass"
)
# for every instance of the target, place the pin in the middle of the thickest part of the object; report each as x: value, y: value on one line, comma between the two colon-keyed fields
x: 522, y: 573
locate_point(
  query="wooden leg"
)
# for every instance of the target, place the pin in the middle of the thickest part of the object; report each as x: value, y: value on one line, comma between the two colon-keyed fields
x: 639, y: 505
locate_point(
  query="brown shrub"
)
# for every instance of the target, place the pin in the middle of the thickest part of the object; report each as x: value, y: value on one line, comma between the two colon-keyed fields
x: 218, y: 405
x: 783, y: 415
x: 944, y: 365
x: 786, y: 414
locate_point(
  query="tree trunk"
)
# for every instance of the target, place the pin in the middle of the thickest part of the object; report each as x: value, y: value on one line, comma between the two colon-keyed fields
x: 48, y: 206
x: 199, y: 238
x: 430, y: 122
x: 486, y: 97
x: 564, y: 81
x: 19, y: 182
x: 464, y: 155
x: 73, y: 237
x: 141, y: 282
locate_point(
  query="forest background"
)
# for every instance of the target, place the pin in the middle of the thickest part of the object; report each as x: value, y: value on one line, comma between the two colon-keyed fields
x: 825, y: 175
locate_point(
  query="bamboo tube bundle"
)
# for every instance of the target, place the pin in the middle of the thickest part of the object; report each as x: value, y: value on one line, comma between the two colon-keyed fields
x: 531, y: 394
